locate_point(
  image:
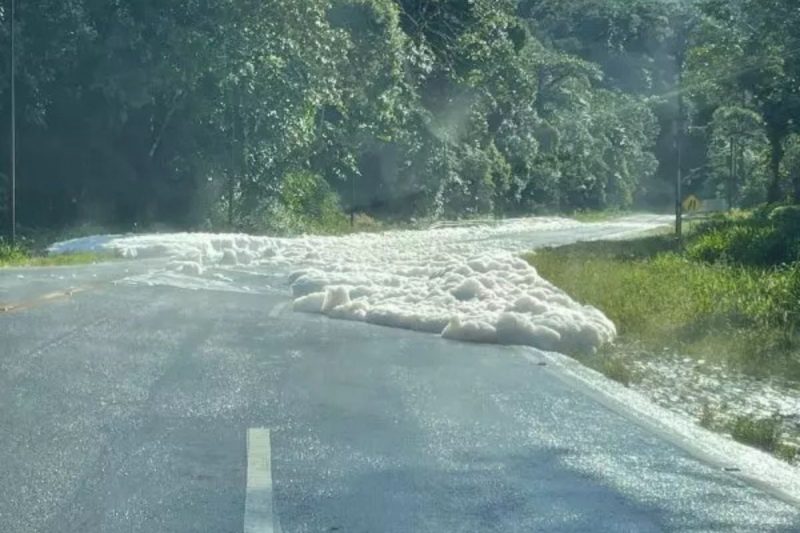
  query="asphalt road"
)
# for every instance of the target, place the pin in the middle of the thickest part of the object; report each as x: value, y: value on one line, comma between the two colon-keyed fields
x: 126, y: 408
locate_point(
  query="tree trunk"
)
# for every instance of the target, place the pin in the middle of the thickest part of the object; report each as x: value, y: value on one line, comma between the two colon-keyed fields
x: 796, y: 185
x: 774, y: 193
x: 731, y: 173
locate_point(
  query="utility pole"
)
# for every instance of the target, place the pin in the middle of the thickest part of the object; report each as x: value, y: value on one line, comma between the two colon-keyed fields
x: 13, y: 125
x: 679, y: 150
x: 233, y: 163
x: 682, y: 43
x: 731, y: 172
x: 352, y: 200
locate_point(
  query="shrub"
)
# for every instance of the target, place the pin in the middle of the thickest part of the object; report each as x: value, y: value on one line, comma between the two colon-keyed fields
x: 769, y: 237
x: 788, y: 452
x: 747, y: 317
x: 708, y: 418
x: 781, y: 307
x: 616, y: 368
x: 306, y: 203
x: 786, y: 218
x: 365, y: 223
x: 11, y: 253
x: 762, y: 433
x: 709, y: 247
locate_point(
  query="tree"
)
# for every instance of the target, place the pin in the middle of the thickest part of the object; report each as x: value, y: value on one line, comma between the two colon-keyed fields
x: 209, y: 114
x: 748, y: 52
x: 791, y: 163
x: 736, y: 151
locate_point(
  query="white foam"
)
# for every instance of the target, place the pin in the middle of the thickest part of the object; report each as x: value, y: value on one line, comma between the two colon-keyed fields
x: 335, y: 297
x: 310, y: 303
x: 470, y: 331
x: 187, y: 267
x: 465, y: 283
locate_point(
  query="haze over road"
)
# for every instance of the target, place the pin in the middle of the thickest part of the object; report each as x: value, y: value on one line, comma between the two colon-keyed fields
x: 126, y: 407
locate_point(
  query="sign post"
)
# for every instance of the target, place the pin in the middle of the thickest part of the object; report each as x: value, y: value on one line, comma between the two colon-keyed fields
x: 692, y: 204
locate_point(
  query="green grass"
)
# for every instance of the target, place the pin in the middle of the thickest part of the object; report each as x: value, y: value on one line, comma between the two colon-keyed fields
x: 763, y: 433
x: 729, y: 294
x: 741, y: 316
x: 788, y: 452
x: 614, y: 366
x: 82, y: 258
x: 11, y: 254
x: 598, y: 216
x: 16, y: 255
x: 763, y: 237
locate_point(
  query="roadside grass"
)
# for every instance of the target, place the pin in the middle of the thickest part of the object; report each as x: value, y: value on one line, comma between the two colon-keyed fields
x: 613, y: 366
x: 729, y: 294
x: 11, y: 254
x: 788, y: 452
x: 743, y: 317
x: 762, y: 433
x: 17, y: 256
x: 82, y: 258
x: 598, y: 216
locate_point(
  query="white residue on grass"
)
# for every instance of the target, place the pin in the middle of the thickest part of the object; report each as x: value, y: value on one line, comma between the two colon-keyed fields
x: 695, y: 388
x: 466, y: 283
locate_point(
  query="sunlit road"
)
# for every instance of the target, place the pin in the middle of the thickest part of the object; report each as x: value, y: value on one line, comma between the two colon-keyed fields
x: 127, y: 408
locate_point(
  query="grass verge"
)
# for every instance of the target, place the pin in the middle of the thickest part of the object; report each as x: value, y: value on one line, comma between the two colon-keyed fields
x: 17, y: 256
x: 599, y: 216
x: 728, y: 296
x: 742, y: 317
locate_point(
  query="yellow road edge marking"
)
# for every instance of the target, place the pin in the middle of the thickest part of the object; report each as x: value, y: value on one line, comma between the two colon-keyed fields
x: 43, y: 299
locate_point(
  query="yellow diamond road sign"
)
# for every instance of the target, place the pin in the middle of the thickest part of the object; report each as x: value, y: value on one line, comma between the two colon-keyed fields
x: 692, y: 203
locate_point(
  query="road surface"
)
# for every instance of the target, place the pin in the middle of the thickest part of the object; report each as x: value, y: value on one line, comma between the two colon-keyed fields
x: 160, y: 409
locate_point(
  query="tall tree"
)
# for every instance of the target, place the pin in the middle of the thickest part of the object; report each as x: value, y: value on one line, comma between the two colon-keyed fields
x: 748, y: 52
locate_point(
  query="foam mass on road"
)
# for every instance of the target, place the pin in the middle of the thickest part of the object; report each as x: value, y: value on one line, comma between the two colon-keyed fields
x: 464, y: 283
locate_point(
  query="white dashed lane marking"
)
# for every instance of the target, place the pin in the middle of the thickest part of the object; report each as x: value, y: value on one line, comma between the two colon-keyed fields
x: 258, y: 506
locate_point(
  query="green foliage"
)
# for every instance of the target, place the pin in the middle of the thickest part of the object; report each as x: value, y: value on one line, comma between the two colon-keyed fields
x: 616, y: 368
x: 766, y: 240
x: 762, y: 433
x: 192, y: 115
x: 744, y: 316
x: 308, y: 205
x: 12, y: 254
x: 745, y: 52
x: 597, y: 216
x: 78, y: 258
x: 786, y: 219
x: 363, y: 223
x: 766, y: 433
x: 625, y: 37
x: 737, y: 151
x: 728, y: 300
x: 20, y: 255
x: 788, y: 452
x: 745, y: 244
x: 791, y: 163
x: 708, y: 418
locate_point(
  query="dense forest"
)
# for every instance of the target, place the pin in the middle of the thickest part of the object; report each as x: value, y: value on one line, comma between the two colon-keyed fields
x: 281, y: 115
